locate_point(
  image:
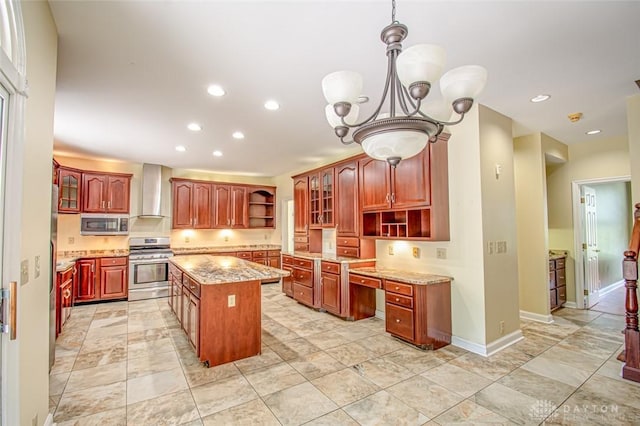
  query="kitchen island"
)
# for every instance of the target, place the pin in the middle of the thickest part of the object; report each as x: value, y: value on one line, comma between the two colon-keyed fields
x: 217, y: 300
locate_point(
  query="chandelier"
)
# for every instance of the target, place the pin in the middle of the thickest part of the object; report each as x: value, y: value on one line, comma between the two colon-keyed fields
x: 404, y: 132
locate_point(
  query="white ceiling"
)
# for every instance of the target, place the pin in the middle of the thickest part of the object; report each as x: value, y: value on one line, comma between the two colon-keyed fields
x: 133, y: 74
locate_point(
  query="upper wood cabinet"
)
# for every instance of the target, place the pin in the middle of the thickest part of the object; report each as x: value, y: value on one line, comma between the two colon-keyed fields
x: 230, y: 206
x: 69, y: 192
x: 105, y: 193
x: 192, y: 203
x: 216, y: 205
x: 321, y: 199
x: 405, y: 186
x: 346, y: 200
x: 262, y: 207
x: 301, y: 205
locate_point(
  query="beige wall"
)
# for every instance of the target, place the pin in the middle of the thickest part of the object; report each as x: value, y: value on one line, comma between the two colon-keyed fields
x: 633, y: 129
x: 531, y: 214
x: 33, y: 298
x: 498, y: 224
x: 589, y: 160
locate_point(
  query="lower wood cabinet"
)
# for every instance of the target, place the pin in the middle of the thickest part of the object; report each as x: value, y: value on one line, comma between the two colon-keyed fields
x: 287, y: 282
x: 303, y: 280
x: 330, y: 287
x: 191, y: 312
x: 64, y: 296
x: 103, y: 278
x: 419, y: 314
x: 557, y: 283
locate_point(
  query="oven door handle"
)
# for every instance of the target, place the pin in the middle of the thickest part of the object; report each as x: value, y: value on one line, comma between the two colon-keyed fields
x: 147, y: 261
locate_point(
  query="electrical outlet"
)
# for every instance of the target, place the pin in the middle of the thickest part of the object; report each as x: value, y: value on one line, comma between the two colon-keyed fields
x: 24, y: 272
x: 71, y: 240
x: 416, y: 252
x: 105, y: 240
x: 390, y: 249
x: 491, y: 247
x: 226, y: 239
x: 501, y: 246
x: 36, y: 267
x: 501, y: 328
x: 441, y: 253
x: 187, y: 239
x: 231, y: 300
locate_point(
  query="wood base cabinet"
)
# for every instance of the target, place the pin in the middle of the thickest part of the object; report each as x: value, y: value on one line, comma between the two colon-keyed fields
x: 419, y: 314
x: 64, y: 296
x: 557, y: 283
x: 101, y: 279
x: 287, y: 282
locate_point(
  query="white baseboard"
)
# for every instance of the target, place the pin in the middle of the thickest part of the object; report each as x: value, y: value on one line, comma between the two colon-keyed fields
x: 491, y: 348
x: 548, y: 319
x: 610, y: 288
x: 504, y: 341
x: 572, y: 305
x: 49, y: 420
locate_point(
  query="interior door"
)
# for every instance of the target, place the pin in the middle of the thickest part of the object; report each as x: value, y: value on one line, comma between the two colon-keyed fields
x: 4, y: 99
x: 590, y: 247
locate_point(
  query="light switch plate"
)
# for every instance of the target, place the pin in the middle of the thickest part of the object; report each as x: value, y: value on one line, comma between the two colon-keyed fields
x: 24, y: 272
x: 441, y: 253
x: 390, y: 249
x: 231, y: 300
x: 36, y: 267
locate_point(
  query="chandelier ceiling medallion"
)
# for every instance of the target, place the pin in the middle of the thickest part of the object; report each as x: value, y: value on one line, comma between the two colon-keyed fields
x: 394, y: 135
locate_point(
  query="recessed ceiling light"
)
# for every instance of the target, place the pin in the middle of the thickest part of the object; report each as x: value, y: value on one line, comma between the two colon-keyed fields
x: 593, y: 132
x: 238, y: 135
x: 215, y: 90
x: 540, y: 98
x: 217, y: 153
x: 194, y: 127
x: 272, y: 105
x: 181, y: 148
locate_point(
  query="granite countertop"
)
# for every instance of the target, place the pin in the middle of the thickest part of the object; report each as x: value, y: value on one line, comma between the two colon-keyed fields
x: 223, y: 249
x: 66, y: 259
x: 326, y: 256
x: 208, y: 269
x: 401, y: 276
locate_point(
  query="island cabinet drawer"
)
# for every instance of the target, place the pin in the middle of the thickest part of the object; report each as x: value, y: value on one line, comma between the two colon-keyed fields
x: 287, y: 260
x: 302, y: 276
x: 332, y: 268
x: 396, y: 287
x: 552, y: 279
x: 399, y: 321
x: 552, y: 265
x: 174, y: 270
x: 560, y: 277
x: 365, y: 281
x: 348, y: 251
x: 192, y: 285
x: 303, y: 263
x: 348, y: 242
x: 258, y: 254
x: 243, y: 255
x: 113, y: 261
x: 303, y: 294
x: 273, y: 253
x: 398, y: 299
x: 560, y: 263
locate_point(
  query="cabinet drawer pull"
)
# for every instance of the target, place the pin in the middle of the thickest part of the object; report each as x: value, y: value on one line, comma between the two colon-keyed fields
x: 397, y: 288
x: 397, y: 320
x: 397, y: 299
x: 361, y: 281
x: 193, y: 287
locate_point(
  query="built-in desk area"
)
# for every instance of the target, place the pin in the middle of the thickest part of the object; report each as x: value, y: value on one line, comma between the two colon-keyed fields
x: 417, y: 305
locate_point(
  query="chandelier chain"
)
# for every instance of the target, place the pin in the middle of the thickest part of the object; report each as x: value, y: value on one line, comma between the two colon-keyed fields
x: 393, y: 10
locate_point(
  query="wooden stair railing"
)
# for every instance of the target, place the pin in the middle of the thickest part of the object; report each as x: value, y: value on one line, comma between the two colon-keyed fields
x: 631, y: 354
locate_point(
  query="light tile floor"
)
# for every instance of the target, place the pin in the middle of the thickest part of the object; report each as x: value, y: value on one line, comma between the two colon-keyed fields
x: 130, y: 364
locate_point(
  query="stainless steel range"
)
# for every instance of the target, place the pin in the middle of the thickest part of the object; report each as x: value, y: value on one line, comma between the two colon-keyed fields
x: 149, y: 267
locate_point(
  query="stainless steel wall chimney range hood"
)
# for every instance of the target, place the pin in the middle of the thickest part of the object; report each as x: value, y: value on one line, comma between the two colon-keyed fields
x: 151, y: 191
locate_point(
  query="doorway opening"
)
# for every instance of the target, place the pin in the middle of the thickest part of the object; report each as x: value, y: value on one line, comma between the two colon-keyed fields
x: 603, y: 216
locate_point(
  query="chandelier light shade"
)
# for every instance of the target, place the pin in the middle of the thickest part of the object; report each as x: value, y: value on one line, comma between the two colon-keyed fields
x: 410, y: 123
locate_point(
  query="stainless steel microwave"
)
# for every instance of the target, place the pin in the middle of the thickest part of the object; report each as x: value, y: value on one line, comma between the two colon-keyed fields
x: 104, y: 224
